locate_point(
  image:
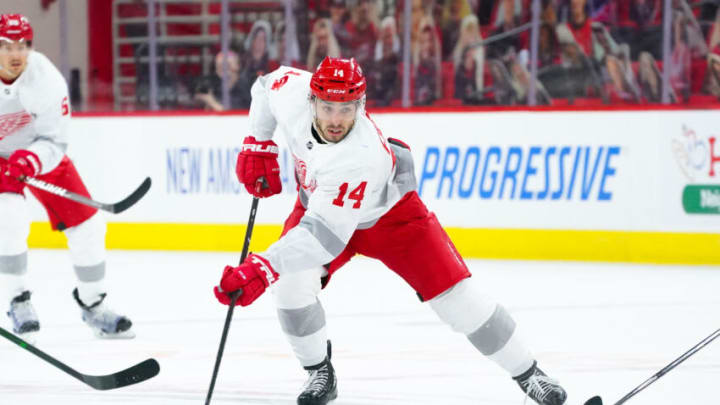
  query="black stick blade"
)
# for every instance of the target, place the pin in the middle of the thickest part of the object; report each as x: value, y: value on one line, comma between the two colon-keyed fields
x: 596, y: 400
x: 130, y: 200
x: 133, y: 375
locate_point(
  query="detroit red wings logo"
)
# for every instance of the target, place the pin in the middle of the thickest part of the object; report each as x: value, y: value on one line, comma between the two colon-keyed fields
x: 301, y: 174
x: 10, y: 123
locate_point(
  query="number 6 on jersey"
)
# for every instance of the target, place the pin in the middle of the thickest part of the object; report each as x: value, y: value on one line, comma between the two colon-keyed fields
x: 356, y: 194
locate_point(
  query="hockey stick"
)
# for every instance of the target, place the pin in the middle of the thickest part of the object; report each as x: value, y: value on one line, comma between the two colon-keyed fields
x: 596, y: 400
x: 115, y: 208
x: 233, y: 298
x: 133, y: 375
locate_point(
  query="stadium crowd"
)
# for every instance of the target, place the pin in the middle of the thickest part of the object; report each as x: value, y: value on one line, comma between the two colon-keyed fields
x: 478, y: 52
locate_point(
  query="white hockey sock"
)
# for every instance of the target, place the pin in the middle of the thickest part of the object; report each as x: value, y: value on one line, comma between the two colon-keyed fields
x: 89, y: 292
x: 514, y: 357
x: 12, y: 286
x: 86, y: 243
x: 14, y: 231
x: 311, y: 349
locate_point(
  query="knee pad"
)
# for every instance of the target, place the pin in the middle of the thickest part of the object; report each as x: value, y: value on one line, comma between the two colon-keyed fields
x: 86, y: 242
x: 14, y: 224
x: 487, y: 325
x: 301, y: 315
x: 464, y: 306
x: 297, y: 289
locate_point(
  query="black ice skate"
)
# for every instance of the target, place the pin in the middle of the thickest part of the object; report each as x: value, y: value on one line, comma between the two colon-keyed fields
x: 321, y: 385
x: 105, y: 323
x: 24, y: 318
x: 541, y: 388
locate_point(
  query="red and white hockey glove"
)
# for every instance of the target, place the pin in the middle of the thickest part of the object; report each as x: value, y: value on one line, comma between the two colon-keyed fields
x: 258, y: 160
x: 253, y: 276
x: 21, y: 163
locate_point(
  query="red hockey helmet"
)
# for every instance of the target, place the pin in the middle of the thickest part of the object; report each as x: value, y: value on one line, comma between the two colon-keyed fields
x: 15, y: 28
x: 337, y: 79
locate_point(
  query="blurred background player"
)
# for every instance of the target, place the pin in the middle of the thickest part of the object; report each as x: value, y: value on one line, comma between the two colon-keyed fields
x: 356, y: 195
x: 34, y: 114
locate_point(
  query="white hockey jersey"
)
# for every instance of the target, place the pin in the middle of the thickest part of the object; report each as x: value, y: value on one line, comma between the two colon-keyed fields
x: 344, y: 186
x: 35, y: 111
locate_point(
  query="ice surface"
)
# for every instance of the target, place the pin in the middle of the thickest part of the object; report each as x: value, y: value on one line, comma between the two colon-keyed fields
x: 598, y: 328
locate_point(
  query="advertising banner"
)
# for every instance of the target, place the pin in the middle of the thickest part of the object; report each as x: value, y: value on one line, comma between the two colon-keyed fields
x: 624, y: 172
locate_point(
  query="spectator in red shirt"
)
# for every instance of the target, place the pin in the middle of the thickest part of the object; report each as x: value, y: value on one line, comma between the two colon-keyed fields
x: 579, y: 24
x: 362, y: 34
x: 595, y: 44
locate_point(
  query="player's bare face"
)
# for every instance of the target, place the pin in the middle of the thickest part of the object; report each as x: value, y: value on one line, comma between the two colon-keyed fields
x: 13, y: 59
x: 333, y: 120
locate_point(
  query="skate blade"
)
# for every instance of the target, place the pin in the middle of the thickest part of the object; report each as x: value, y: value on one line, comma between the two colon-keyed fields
x: 128, y: 334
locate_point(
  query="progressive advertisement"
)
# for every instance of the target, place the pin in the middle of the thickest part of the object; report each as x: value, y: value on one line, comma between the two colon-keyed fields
x: 619, y: 173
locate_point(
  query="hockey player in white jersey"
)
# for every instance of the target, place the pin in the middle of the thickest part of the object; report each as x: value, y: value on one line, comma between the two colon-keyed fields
x: 34, y: 114
x: 356, y: 194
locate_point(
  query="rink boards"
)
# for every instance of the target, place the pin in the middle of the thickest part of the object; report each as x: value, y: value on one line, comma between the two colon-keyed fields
x: 637, y: 186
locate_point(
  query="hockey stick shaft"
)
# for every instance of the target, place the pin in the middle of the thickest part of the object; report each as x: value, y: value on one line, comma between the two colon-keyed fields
x: 135, y: 374
x: 115, y: 208
x: 233, y: 299
x: 34, y: 350
x: 670, y: 366
x: 597, y: 401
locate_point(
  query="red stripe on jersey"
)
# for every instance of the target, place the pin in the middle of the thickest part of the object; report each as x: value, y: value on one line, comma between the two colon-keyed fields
x: 383, y: 141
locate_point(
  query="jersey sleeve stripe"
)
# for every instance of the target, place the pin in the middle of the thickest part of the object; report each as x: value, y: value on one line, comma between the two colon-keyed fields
x: 323, y: 234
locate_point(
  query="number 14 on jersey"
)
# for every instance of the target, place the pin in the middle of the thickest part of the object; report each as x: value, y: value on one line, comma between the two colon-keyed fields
x: 356, y: 194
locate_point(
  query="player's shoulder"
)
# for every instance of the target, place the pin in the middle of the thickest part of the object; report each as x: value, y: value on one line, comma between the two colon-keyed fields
x: 41, y: 77
x: 283, y: 70
x: 287, y: 90
x: 368, y: 136
x: 288, y: 79
x: 361, y: 153
x: 42, y: 71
